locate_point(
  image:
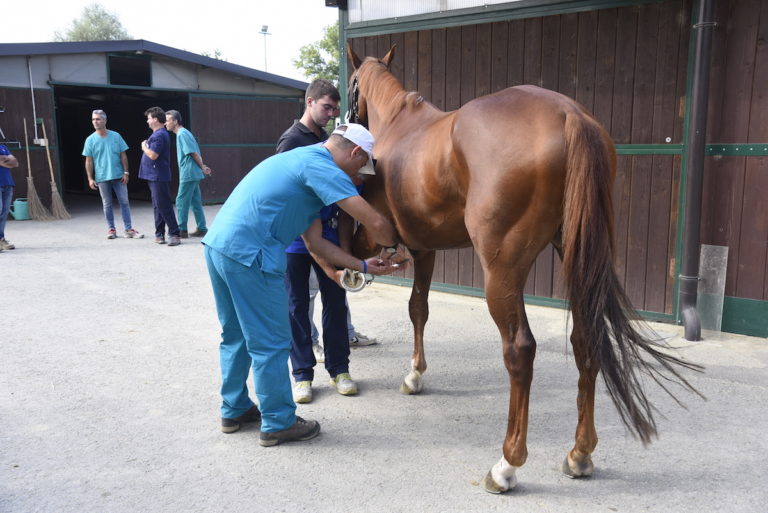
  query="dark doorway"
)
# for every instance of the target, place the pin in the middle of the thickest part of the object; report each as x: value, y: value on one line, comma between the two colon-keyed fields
x: 125, y: 115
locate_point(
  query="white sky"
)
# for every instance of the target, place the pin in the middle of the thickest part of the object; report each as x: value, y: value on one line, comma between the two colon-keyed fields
x: 231, y: 26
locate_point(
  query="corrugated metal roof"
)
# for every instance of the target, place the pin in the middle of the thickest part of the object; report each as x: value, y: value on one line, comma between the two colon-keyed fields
x: 141, y: 45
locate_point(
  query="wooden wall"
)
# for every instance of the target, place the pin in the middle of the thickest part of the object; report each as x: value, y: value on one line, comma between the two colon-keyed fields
x: 735, y: 210
x: 626, y: 65
x: 237, y: 133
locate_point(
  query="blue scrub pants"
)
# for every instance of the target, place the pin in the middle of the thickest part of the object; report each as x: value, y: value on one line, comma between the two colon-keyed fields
x: 189, y: 197
x: 253, y: 311
x: 335, y: 339
x: 163, y: 207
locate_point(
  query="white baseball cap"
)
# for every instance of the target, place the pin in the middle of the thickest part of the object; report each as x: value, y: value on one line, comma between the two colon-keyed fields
x: 359, y: 135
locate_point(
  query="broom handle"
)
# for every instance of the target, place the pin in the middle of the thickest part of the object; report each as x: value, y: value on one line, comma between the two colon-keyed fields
x: 48, y: 151
x: 26, y: 145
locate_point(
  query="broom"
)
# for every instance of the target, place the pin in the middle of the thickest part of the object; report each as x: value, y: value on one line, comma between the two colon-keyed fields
x: 58, y: 209
x: 37, y: 210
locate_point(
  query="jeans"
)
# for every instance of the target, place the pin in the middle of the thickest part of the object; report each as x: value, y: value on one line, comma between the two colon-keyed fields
x: 6, y: 195
x: 314, y: 288
x: 164, y: 214
x: 189, y: 197
x: 121, y: 191
x: 335, y: 339
x: 255, y: 335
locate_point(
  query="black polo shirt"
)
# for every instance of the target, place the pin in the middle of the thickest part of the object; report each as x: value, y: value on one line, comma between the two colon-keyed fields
x: 298, y: 135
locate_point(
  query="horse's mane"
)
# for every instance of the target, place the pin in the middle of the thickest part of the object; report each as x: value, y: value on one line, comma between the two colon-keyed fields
x: 378, y: 84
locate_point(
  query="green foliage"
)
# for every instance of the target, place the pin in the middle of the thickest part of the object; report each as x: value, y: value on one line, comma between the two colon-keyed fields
x: 215, y: 54
x: 321, y: 59
x: 95, y: 24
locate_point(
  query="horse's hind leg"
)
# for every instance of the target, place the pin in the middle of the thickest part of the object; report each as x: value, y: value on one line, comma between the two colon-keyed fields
x: 578, y: 462
x: 504, y: 293
x: 418, y: 308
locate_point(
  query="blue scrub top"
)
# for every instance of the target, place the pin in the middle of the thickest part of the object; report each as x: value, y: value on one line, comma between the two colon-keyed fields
x: 275, y: 202
x: 105, y: 152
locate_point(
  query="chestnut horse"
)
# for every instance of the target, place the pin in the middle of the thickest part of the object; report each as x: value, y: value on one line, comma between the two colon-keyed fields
x: 509, y: 173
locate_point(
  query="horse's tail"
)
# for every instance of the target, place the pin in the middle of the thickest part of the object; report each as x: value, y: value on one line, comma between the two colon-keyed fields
x: 597, y: 299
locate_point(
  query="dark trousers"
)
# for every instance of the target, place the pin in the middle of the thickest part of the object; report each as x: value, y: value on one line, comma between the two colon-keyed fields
x: 335, y: 337
x: 163, y: 206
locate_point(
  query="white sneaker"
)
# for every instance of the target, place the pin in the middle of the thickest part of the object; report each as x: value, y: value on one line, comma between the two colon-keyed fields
x: 302, y: 392
x: 319, y: 352
x: 360, y: 340
x: 344, y: 384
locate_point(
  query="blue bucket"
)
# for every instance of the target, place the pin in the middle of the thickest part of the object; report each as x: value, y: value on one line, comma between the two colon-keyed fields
x: 20, y: 210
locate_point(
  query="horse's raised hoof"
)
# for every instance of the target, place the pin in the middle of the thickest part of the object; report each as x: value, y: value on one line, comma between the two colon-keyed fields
x: 577, y: 470
x: 412, y: 384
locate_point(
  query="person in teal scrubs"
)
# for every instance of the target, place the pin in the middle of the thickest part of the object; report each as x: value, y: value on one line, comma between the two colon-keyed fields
x: 245, y: 253
x: 191, y: 172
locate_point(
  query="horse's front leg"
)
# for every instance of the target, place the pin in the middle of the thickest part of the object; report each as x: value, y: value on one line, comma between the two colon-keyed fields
x: 505, y: 302
x: 418, y: 308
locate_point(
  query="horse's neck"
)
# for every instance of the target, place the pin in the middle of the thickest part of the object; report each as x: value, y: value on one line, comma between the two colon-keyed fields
x: 388, y: 100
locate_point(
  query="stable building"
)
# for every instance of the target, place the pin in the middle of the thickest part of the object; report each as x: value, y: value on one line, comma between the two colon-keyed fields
x: 236, y: 113
x: 650, y: 71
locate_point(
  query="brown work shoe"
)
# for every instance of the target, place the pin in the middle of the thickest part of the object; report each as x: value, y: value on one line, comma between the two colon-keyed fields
x: 232, y: 425
x: 300, y: 431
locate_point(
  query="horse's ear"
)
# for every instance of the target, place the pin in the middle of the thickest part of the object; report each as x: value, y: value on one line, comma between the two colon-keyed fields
x: 353, y: 58
x: 390, y: 55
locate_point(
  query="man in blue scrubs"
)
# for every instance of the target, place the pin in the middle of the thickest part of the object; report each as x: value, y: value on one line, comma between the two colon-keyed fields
x: 245, y: 253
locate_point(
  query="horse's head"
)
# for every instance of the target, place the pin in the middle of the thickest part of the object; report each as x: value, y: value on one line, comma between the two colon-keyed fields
x: 357, y: 106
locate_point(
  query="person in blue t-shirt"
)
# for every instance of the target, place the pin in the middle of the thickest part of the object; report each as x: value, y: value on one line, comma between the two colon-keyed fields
x: 245, y: 254
x: 7, y: 161
x: 156, y: 170
x: 107, y: 169
x: 191, y: 171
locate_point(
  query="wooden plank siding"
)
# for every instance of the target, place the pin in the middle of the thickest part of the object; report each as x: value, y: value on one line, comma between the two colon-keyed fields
x: 627, y: 65
x: 233, y: 149
x: 735, y: 210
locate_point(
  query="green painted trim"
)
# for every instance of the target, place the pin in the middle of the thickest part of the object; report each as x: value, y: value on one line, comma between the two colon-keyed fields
x: 233, y: 96
x: 240, y: 145
x: 737, y: 150
x: 482, y: 14
x: 531, y: 300
x: 649, y: 149
x: 745, y: 316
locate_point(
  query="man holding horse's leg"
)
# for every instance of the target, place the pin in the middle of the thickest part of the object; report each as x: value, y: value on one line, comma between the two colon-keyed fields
x: 245, y: 255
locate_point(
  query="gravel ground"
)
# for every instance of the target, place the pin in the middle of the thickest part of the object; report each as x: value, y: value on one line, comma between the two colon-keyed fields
x: 109, y: 402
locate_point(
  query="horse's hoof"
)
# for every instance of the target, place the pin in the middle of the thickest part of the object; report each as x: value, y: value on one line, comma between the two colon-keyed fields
x: 491, y: 486
x: 577, y: 470
x: 412, y: 384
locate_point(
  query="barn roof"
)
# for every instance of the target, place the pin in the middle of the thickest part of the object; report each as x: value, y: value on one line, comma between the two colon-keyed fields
x: 143, y: 46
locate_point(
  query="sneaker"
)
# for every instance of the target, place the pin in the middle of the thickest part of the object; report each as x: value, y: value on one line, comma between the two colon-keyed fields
x: 6, y: 244
x: 319, y: 352
x: 184, y: 234
x: 344, y: 384
x: 232, y: 425
x: 300, y: 431
x: 302, y: 392
x: 360, y: 340
x: 133, y: 234
x: 111, y: 233
x: 159, y: 239
x: 198, y: 233
x: 175, y: 240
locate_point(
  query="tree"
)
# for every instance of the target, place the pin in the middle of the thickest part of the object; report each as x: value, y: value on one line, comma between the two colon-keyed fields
x: 215, y: 54
x: 95, y: 24
x: 321, y: 59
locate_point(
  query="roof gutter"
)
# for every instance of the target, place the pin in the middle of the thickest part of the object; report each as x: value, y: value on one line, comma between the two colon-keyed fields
x: 694, y: 170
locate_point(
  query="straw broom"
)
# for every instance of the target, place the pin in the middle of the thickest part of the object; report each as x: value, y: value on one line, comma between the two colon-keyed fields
x: 37, y: 210
x: 58, y: 209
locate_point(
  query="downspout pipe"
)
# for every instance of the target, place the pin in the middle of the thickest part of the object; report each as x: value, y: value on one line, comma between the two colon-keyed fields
x: 694, y: 170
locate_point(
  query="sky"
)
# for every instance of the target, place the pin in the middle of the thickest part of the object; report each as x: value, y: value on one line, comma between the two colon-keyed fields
x: 231, y: 26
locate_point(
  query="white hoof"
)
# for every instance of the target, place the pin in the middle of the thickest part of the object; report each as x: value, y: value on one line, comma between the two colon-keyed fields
x: 501, y: 478
x: 413, y: 383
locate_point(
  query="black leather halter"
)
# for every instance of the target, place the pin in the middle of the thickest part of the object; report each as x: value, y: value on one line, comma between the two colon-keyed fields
x: 352, y: 111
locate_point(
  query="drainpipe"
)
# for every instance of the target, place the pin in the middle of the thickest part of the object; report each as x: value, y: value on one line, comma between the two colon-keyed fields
x: 694, y: 171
